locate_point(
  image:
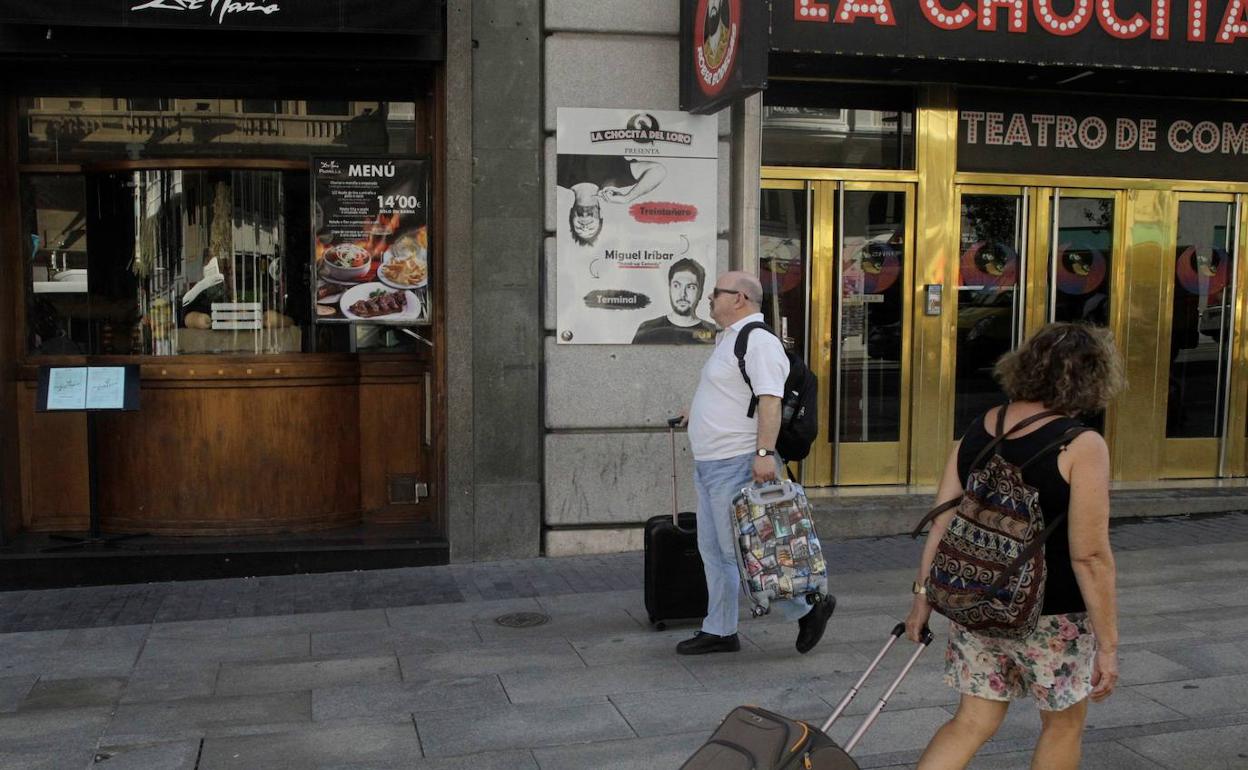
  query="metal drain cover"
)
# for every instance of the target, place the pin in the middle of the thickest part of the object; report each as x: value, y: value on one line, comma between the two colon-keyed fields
x: 522, y: 619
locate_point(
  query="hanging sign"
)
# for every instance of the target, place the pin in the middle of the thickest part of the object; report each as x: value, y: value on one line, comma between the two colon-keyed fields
x: 1101, y: 136
x: 371, y: 240
x: 1189, y: 35
x: 723, y: 52
x: 636, y: 196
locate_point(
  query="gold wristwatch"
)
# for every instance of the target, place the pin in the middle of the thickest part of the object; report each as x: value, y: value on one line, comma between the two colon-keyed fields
x: 918, y: 588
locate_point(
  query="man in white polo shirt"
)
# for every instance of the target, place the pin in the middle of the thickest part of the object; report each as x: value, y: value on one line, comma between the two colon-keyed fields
x: 731, y: 450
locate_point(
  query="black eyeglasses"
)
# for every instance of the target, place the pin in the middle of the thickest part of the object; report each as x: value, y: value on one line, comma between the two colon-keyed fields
x: 718, y: 291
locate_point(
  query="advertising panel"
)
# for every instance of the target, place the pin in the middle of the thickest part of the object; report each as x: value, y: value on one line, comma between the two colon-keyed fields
x: 371, y: 240
x: 636, y: 195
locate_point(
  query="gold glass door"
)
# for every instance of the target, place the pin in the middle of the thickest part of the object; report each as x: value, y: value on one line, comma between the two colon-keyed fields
x: 992, y: 249
x: 861, y: 310
x: 1201, y: 288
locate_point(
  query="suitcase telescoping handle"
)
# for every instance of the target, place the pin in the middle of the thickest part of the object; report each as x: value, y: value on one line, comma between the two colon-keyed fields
x: 898, y: 631
x: 672, y: 424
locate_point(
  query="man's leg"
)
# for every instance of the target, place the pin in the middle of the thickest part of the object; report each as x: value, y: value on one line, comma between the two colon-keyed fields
x: 718, y: 481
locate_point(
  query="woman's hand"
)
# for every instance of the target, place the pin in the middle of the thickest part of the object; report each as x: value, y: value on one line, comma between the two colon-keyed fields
x: 1104, y: 674
x: 916, y: 621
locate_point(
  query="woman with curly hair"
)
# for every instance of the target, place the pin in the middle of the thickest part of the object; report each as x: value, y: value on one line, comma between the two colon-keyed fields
x: 1072, y: 655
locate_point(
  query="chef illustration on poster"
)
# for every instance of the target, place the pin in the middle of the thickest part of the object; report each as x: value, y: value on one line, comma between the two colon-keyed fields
x: 635, y: 218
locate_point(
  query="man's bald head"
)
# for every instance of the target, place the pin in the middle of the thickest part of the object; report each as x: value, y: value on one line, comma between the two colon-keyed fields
x: 751, y: 290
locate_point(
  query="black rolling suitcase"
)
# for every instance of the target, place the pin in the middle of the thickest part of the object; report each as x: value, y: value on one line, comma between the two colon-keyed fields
x: 675, y: 580
x: 751, y: 738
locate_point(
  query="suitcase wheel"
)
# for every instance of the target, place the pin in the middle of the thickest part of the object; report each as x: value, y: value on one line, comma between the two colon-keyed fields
x: 757, y: 612
x: 660, y: 626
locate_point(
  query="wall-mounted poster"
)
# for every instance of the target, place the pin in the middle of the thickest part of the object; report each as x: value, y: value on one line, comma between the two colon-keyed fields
x: 636, y: 193
x: 371, y: 241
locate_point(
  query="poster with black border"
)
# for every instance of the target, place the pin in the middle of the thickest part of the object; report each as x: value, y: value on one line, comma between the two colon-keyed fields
x: 635, y: 208
x: 370, y: 240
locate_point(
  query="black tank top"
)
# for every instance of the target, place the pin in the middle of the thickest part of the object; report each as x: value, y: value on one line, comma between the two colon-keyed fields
x: 1061, y: 592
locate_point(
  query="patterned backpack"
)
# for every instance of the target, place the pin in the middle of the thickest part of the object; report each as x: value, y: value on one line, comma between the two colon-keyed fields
x: 988, y: 573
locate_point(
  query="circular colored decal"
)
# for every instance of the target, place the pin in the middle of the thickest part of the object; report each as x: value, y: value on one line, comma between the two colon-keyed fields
x: 716, y: 42
x: 881, y: 265
x: 1202, y: 272
x: 1080, y: 271
x: 780, y: 267
x: 989, y: 264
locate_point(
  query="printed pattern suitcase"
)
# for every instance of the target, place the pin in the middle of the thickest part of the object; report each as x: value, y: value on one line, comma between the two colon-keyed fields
x: 780, y: 555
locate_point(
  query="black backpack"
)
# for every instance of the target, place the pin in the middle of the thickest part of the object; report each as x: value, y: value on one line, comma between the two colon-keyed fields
x: 799, y: 420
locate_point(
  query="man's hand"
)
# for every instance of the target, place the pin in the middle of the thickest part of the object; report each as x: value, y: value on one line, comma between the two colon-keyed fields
x: 764, y: 469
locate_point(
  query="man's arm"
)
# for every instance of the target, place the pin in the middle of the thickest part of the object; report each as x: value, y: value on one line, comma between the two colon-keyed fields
x: 768, y: 412
x: 648, y: 174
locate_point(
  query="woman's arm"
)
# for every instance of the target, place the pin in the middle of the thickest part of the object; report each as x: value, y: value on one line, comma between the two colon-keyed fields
x: 1087, y: 458
x: 950, y: 488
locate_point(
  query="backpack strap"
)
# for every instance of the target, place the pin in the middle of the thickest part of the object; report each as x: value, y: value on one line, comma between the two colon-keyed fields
x: 1035, y: 545
x: 743, y: 341
x: 1001, y: 435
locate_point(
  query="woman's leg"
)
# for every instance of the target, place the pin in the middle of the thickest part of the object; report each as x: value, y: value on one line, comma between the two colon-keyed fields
x: 956, y: 742
x: 1061, y: 738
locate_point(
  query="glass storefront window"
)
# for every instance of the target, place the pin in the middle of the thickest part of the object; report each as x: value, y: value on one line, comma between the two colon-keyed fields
x: 1200, y: 323
x: 782, y: 264
x: 991, y: 243
x: 817, y: 125
x: 77, y: 130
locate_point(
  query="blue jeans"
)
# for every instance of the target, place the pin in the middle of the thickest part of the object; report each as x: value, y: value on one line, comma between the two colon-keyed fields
x: 717, y: 482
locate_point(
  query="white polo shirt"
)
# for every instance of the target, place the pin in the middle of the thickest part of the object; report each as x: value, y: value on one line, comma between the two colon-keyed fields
x: 718, y: 425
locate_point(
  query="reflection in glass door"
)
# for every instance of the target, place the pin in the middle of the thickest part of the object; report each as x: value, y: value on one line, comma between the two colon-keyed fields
x: 870, y: 333
x: 991, y: 244
x: 1202, y: 283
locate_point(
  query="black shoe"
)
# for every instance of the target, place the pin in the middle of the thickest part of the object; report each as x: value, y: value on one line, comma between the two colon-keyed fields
x: 811, y: 625
x: 702, y: 643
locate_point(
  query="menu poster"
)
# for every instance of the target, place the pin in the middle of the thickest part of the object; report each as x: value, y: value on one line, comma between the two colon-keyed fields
x: 67, y: 388
x: 106, y: 387
x: 371, y: 241
x: 88, y: 388
x: 635, y: 219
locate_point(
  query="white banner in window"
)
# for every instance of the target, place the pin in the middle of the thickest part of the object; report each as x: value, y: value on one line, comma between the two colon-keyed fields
x: 635, y: 206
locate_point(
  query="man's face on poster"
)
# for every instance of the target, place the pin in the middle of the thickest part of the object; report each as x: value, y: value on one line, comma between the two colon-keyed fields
x: 586, y: 222
x: 685, y: 292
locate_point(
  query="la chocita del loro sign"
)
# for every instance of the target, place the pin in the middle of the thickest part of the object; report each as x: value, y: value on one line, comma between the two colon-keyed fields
x: 1197, y: 35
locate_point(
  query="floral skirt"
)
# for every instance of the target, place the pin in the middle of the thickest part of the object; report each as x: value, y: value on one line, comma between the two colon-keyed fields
x: 1052, y: 665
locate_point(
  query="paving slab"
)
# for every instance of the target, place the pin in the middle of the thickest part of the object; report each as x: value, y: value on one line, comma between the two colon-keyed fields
x: 1102, y: 756
x: 407, y: 697
x: 683, y: 711
x: 1216, y: 658
x: 1200, y: 697
x: 895, y: 730
x: 493, y: 658
x: 110, y: 636
x: 489, y: 760
x: 634, y: 754
x: 763, y: 669
x: 1140, y: 665
x: 173, y: 755
x: 73, y: 664
x: 1221, y: 748
x: 13, y: 691
x: 171, y: 681
x: 371, y: 745
x: 459, y: 731
x: 569, y: 625
x: 257, y: 678
x: 68, y: 728
x: 554, y: 685
x: 198, y: 717
x: 172, y: 651
x: 432, y: 616
x: 446, y: 637
x: 601, y: 650
x: 46, y: 758
x: 74, y: 693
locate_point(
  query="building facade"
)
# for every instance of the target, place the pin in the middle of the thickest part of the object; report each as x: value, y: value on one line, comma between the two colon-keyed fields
x: 919, y: 187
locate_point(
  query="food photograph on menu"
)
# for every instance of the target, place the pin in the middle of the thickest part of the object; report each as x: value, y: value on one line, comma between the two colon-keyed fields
x: 371, y: 241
